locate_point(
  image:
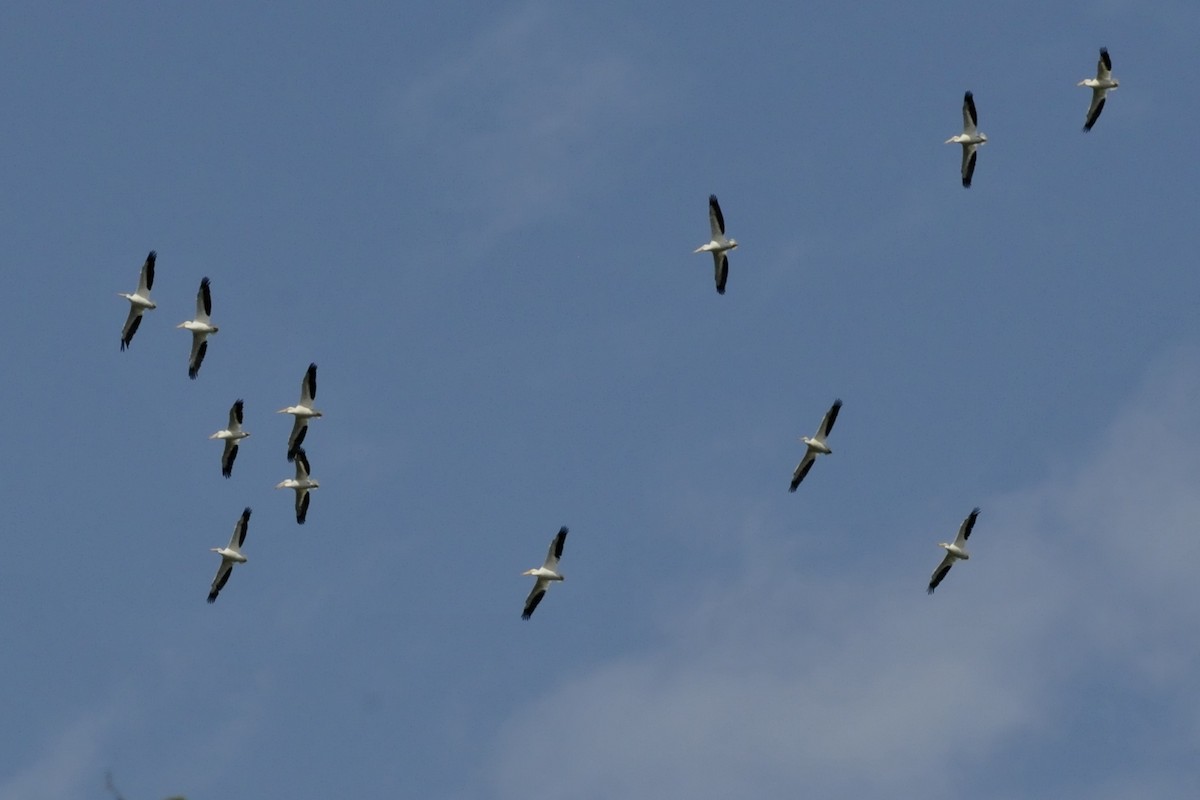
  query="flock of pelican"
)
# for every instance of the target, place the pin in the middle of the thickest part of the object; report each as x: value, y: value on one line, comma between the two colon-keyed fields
x: 971, y: 138
x: 233, y: 433
x: 719, y: 245
x: 302, y: 413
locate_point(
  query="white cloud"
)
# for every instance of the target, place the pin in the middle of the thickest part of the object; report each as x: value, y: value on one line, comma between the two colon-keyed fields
x: 800, y: 680
x: 518, y: 116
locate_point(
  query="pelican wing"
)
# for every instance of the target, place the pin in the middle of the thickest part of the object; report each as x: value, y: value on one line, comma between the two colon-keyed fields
x: 302, y: 468
x: 235, y: 416
x: 1104, y: 66
x: 556, y: 550
x: 302, y: 499
x: 535, y: 597
x: 220, y: 580
x: 964, y: 530
x: 308, y: 386
x: 968, y: 164
x: 199, y: 348
x: 940, y: 573
x: 830, y: 418
x: 131, y: 325
x: 299, y: 431
x: 146, y: 281
x: 203, y: 302
x: 1098, y: 100
x: 716, y: 219
x: 228, y: 456
x: 721, y: 266
x: 802, y: 469
x: 970, y: 117
x: 239, y: 530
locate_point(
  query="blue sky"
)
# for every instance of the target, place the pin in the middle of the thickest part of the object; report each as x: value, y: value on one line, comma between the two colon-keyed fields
x: 479, y: 222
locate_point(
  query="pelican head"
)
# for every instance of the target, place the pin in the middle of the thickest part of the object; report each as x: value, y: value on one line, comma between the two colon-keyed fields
x: 530, y: 572
x: 982, y: 138
x: 732, y: 244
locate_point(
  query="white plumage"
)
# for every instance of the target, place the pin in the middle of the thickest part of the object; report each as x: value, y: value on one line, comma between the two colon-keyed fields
x: 545, y: 574
x: 955, y: 551
x: 139, y: 301
x: 970, y: 139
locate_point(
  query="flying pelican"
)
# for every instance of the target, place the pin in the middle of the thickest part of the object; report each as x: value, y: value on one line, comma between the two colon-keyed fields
x: 719, y: 245
x: 231, y: 435
x: 816, y: 445
x: 970, y: 138
x: 230, y: 555
x: 547, y: 572
x: 302, y: 411
x: 954, y: 551
x: 1099, y: 86
x: 200, y: 328
x: 301, y: 483
x: 139, y: 301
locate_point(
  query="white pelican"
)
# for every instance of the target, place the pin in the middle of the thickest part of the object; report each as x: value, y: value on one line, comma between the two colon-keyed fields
x: 816, y: 445
x: 230, y: 436
x: 200, y: 327
x: 139, y: 301
x: 547, y: 572
x: 302, y: 411
x: 954, y: 551
x: 301, y: 483
x: 719, y: 245
x: 230, y: 555
x: 1099, y: 86
x: 970, y: 138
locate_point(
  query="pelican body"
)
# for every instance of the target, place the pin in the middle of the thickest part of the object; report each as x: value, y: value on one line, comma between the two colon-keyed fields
x: 955, y: 551
x: 230, y: 554
x: 545, y: 574
x: 815, y: 445
x: 302, y: 483
x: 303, y: 411
x: 718, y: 245
x: 200, y: 327
x: 970, y: 139
x: 139, y: 301
x: 1099, y: 86
x: 231, y: 436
